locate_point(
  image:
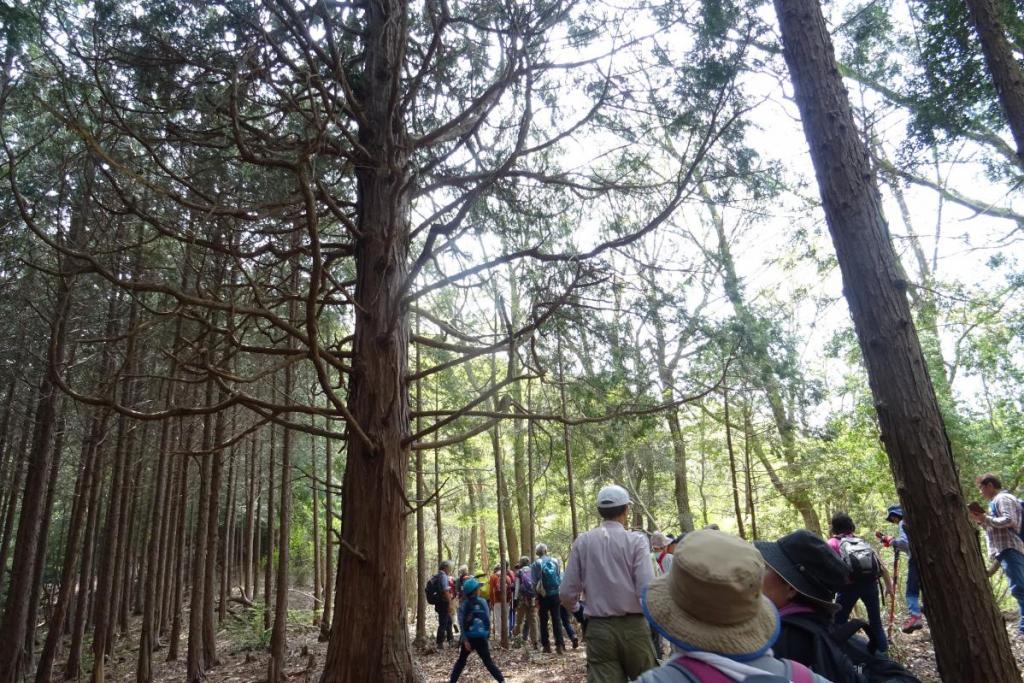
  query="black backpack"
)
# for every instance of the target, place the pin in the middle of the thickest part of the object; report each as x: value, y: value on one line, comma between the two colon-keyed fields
x: 859, y: 557
x: 434, y: 591
x: 838, y: 655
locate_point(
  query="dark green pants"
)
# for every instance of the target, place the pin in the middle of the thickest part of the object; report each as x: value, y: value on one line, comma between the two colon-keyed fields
x: 618, y: 648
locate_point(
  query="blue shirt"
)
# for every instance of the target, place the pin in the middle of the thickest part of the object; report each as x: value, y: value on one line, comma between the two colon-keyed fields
x: 475, y: 617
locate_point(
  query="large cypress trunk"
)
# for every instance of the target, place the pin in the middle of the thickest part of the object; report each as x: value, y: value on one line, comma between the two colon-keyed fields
x: 969, y: 635
x: 1006, y: 72
x: 369, y: 640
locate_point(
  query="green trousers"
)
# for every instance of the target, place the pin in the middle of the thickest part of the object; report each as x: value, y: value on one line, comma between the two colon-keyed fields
x: 618, y: 648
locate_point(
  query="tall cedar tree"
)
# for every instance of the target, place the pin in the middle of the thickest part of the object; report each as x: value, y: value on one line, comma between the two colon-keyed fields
x: 967, y: 629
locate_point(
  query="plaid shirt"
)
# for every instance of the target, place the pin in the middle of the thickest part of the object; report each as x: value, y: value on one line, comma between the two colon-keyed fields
x: 1002, y: 524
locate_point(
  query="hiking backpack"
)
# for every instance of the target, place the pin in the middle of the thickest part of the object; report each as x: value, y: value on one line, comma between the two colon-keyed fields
x: 834, y: 652
x: 433, y: 590
x: 526, y: 589
x: 550, y: 579
x: 476, y: 618
x: 859, y: 557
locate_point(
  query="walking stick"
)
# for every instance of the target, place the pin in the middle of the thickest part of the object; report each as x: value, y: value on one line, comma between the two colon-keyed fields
x: 895, y: 583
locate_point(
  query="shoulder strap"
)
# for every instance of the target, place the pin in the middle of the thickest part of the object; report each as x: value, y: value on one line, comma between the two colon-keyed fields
x: 697, y: 671
x: 798, y: 673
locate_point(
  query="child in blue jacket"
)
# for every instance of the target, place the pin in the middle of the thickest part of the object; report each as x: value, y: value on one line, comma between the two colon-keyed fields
x: 475, y: 624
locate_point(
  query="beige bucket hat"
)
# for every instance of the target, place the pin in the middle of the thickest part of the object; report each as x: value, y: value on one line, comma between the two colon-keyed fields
x: 711, y: 599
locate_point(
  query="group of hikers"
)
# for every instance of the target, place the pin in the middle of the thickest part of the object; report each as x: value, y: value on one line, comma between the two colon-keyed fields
x: 728, y: 610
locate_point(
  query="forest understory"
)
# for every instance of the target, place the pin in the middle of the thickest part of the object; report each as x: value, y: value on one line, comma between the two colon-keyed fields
x: 243, y: 657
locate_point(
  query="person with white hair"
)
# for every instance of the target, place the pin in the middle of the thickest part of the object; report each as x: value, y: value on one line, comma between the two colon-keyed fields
x: 612, y: 566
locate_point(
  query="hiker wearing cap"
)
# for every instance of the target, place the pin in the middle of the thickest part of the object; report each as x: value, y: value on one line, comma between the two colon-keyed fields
x: 665, y: 559
x: 1002, y: 525
x: 710, y: 606
x: 475, y: 623
x: 526, y: 603
x: 613, y: 567
x: 865, y: 570
x: 901, y: 544
x: 802, y: 577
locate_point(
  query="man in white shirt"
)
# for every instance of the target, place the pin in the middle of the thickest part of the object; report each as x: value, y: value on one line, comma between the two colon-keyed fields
x: 612, y: 566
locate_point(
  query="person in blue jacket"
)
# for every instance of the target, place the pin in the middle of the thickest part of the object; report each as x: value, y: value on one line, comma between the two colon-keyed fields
x: 915, y: 621
x: 475, y: 625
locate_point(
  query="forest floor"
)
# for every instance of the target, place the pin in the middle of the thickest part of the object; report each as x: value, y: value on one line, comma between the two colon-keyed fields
x: 241, y: 648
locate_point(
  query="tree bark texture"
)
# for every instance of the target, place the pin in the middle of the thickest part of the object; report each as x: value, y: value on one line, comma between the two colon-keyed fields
x: 1006, y: 72
x: 969, y: 635
x: 369, y: 639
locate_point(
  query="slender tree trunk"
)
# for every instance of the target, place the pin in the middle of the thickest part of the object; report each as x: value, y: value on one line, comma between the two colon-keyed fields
x: 566, y: 444
x: 178, y: 568
x: 20, y: 465
x: 732, y: 464
x: 73, y: 667
x: 325, y: 622
x: 317, y: 565
x: 268, y: 569
x: 421, y: 530
x: 474, y: 523
x: 248, y: 556
x: 44, y: 533
x: 748, y: 472
x: 212, y: 537
x: 5, y: 450
x: 278, y: 642
x: 195, y: 661
x: 72, y: 545
x: 969, y: 635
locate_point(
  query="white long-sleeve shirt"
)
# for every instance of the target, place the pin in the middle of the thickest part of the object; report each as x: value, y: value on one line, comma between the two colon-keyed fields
x: 612, y: 566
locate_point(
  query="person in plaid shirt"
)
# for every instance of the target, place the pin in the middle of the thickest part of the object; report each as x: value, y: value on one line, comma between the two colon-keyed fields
x: 1002, y: 528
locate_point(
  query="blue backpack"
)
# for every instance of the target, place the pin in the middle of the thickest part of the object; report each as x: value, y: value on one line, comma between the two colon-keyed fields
x: 476, y: 620
x: 550, y: 579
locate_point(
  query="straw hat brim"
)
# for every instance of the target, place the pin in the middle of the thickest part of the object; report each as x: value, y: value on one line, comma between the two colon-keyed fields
x: 744, y: 641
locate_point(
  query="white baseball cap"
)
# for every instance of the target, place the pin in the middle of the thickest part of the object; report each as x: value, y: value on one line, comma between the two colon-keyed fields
x: 613, y: 496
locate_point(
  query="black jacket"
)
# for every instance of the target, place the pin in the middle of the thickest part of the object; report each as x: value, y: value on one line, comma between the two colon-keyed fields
x: 839, y: 656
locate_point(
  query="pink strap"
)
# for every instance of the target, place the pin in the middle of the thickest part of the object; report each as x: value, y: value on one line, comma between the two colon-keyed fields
x: 702, y: 670
x: 800, y: 673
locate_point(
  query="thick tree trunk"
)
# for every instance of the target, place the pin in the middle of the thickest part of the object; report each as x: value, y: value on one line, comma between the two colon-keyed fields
x: 1006, y: 72
x: 369, y: 640
x: 969, y: 635
x: 325, y: 621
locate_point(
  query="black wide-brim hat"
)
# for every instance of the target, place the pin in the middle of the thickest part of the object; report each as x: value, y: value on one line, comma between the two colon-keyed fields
x: 806, y: 563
